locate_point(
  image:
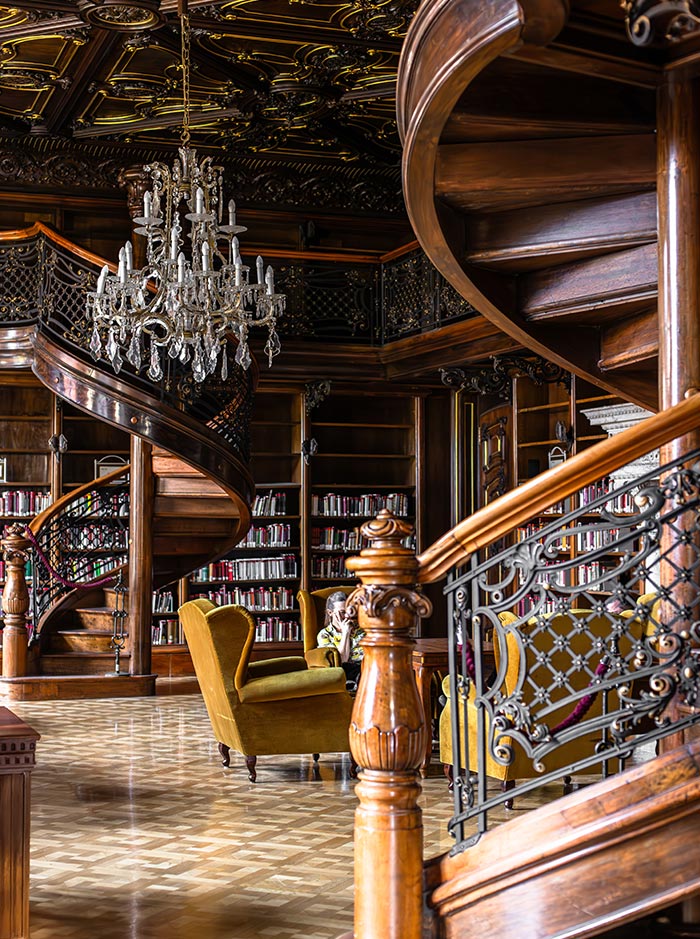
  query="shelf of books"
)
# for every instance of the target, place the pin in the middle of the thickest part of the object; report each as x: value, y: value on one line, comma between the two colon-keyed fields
x: 263, y: 572
x: 365, y: 461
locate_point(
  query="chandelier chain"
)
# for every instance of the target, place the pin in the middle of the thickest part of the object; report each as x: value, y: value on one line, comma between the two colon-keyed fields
x: 185, y: 66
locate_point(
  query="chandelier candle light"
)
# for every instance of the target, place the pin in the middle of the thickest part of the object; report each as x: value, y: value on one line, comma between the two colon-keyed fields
x: 178, y: 305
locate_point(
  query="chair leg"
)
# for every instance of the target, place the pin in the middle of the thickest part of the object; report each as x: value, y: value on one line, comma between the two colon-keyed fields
x: 250, y: 762
x: 448, y: 770
x: 353, y: 767
x: 568, y: 786
x: 506, y: 786
x: 316, y: 757
x: 225, y: 751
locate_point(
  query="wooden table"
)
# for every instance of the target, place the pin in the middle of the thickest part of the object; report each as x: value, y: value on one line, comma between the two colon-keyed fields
x: 17, y: 745
x: 430, y: 656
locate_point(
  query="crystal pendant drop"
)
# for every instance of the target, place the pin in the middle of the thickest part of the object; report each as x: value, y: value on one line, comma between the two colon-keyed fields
x: 112, y: 347
x: 117, y: 362
x: 273, y: 346
x: 243, y: 355
x: 198, y: 370
x: 155, y: 372
x: 95, y: 344
x: 134, y: 354
x: 224, y: 365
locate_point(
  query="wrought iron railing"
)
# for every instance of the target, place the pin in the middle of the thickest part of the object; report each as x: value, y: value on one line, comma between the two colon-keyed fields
x: 80, y: 542
x: 577, y: 643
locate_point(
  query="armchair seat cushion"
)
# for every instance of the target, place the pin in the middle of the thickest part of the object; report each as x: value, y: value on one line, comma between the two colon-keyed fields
x: 285, y: 663
x: 302, y: 684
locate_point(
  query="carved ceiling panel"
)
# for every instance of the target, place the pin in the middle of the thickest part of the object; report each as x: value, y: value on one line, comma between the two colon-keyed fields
x: 311, y: 80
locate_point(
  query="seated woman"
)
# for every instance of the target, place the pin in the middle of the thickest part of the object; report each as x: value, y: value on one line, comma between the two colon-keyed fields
x: 342, y: 633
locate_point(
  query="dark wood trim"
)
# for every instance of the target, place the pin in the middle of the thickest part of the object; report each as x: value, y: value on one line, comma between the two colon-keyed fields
x: 140, y: 556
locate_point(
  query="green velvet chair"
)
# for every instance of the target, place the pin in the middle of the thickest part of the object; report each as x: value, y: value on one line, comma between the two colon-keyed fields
x: 312, y: 605
x: 261, y: 708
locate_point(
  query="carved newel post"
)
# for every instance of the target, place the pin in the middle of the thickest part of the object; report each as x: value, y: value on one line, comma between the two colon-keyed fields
x: 388, y: 737
x: 15, y: 602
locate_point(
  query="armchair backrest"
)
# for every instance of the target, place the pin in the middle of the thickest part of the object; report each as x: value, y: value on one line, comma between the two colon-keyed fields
x: 312, y: 605
x: 219, y: 640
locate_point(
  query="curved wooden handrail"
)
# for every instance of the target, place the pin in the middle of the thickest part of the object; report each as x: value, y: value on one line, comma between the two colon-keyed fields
x: 520, y: 505
x: 43, y: 518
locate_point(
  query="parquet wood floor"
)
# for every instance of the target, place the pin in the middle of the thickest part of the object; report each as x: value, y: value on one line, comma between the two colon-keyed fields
x: 138, y: 832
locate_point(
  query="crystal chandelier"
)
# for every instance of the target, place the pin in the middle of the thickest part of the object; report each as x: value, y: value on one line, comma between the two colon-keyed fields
x: 186, y: 298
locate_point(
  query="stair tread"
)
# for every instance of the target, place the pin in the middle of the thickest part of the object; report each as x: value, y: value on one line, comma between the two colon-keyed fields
x: 76, y: 631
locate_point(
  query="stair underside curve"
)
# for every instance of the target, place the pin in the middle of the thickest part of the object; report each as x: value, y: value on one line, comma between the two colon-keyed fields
x: 605, y: 855
x: 529, y: 175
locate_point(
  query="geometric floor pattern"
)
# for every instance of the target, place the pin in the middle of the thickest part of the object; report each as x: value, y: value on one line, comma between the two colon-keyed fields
x: 138, y: 832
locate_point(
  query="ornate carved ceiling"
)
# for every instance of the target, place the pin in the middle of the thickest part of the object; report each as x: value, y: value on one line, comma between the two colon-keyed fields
x: 303, y: 89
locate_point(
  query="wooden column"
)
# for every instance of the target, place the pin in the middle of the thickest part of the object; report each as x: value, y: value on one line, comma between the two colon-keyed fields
x: 17, y: 746
x: 15, y: 602
x: 388, y: 737
x: 140, y: 557
x: 678, y: 195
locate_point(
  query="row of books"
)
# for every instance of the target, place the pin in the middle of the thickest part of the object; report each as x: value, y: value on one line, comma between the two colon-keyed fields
x: 277, y: 535
x: 331, y: 568
x: 254, y: 599
x: 102, y: 503
x: 279, y: 568
x: 365, y: 506
x: 163, y: 601
x: 94, y: 536
x: 23, y: 503
x: 622, y: 502
x: 167, y: 632
x: 271, y: 503
x: 84, y: 569
x: 275, y: 629
x: 346, y: 539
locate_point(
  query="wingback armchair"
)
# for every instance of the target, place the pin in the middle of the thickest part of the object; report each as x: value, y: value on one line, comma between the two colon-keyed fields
x: 576, y: 749
x: 260, y: 708
x: 312, y: 605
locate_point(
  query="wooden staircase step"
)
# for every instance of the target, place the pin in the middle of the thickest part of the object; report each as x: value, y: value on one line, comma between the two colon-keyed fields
x: 81, y: 663
x: 81, y: 640
x: 71, y: 687
x: 194, y: 506
x: 605, y: 855
x: 93, y: 618
x: 189, y: 486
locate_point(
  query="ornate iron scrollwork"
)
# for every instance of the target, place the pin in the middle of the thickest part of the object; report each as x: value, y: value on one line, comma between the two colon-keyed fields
x: 497, y: 380
x: 652, y: 22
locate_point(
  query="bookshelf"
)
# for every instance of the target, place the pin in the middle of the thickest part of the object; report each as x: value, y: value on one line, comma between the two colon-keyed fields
x: 264, y: 572
x: 366, y: 459
x: 537, y: 409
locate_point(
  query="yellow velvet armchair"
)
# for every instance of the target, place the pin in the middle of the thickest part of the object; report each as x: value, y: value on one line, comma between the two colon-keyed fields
x: 261, y: 708
x: 312, y: 605
x: 522, y: 766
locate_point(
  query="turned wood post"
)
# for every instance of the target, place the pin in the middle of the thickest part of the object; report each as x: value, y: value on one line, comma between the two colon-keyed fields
x: 388, y: 737
x: 140, y: 556
x: 678, y: 196
x: 15, y: 602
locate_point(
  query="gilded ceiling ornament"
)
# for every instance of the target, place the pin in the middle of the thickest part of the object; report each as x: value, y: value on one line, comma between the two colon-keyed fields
x: 130, y: 17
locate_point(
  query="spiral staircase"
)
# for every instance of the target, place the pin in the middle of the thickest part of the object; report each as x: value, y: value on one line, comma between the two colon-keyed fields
x: 197, y: 454
x: 531, y: 136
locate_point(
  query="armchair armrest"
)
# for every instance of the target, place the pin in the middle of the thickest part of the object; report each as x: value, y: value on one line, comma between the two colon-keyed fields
x: 278, y: 666
x: 322, y: 657
x: 304, y: 684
